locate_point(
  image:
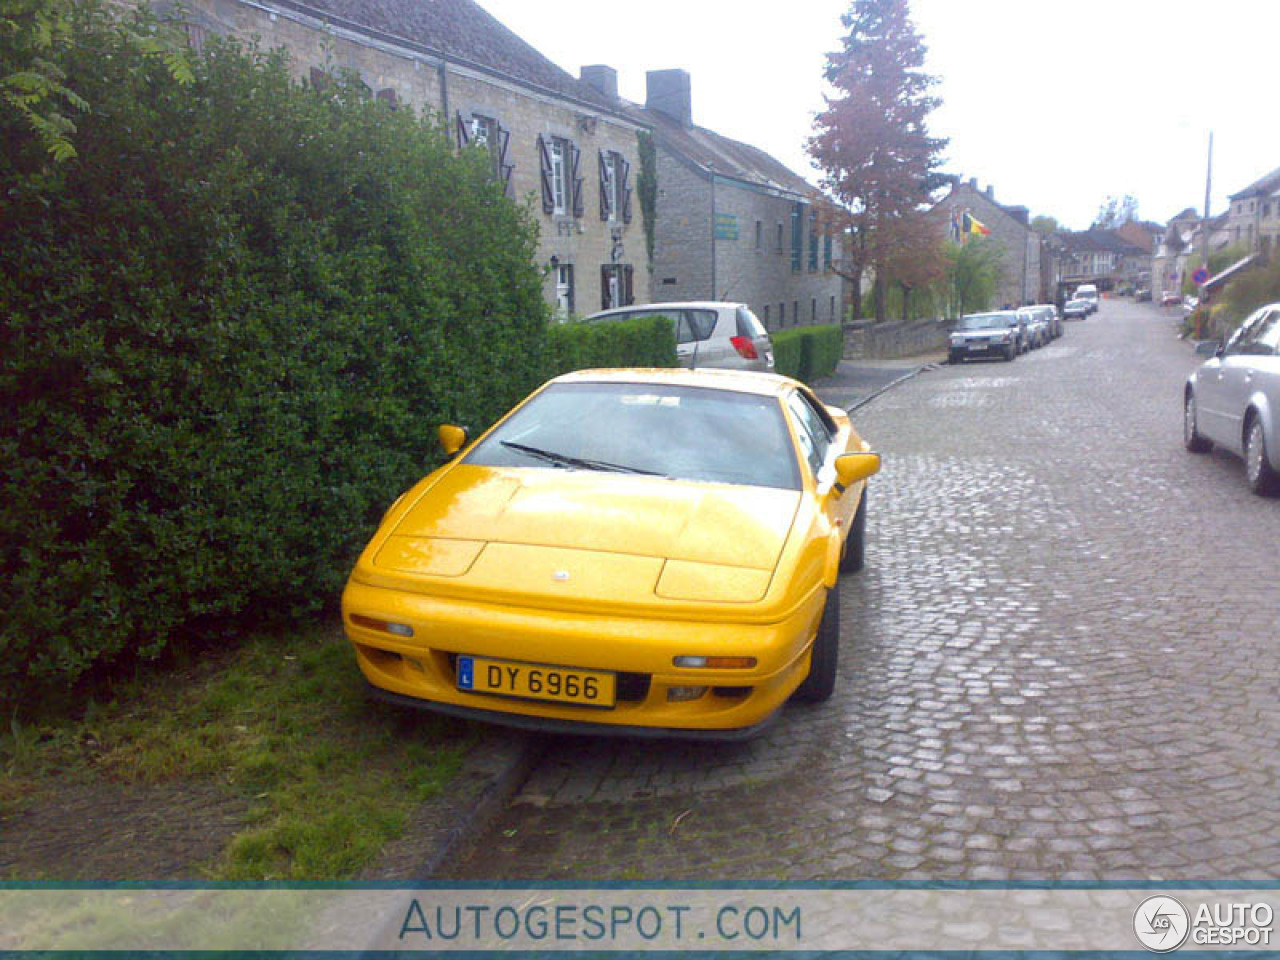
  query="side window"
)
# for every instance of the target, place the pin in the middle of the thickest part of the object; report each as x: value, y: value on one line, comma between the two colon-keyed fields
x: 1243, y: 337
x: 702, y: 322
x: 814, y: 436
x: 1266, y: 341
x: 684, y: 332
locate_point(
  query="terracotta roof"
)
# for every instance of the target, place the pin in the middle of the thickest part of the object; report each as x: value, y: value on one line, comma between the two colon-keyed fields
x: 457, y: 30
x: 1265, y: 185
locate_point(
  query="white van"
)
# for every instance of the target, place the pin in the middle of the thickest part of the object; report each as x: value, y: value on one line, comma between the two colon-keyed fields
x: 1087, y: 291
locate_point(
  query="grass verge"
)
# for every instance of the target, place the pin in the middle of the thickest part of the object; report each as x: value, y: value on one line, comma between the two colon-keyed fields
x: 283, y: 723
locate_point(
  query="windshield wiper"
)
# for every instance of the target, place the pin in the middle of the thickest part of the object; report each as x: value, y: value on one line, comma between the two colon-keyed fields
x: 564, y: 460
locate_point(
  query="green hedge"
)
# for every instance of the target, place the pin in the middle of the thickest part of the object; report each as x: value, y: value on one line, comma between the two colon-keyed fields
x: 227, y: 331
x: 641, y: 342
x: 808, y: 353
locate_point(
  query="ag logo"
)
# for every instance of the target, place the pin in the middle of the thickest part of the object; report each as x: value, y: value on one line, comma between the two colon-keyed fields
x: 1161, y: 924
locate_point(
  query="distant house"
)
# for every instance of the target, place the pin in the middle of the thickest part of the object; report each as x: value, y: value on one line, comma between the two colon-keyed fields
x: 732, y: 222
x: 1254, y: 216
x: 1182, y: 241
x: 551, y: 138
x: 1104, y: 258
x: 1021, y: 280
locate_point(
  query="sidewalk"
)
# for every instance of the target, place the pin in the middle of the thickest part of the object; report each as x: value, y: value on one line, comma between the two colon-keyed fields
x: 857, y: 381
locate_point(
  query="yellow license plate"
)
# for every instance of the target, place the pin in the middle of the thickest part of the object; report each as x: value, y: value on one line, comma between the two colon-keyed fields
x: 536, y: 682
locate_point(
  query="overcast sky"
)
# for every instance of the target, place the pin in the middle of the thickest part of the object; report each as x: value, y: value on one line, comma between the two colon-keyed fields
x: 1055, y: 104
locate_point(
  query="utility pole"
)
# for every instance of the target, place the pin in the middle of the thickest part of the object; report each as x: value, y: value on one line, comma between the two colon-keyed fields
x: 1208, y: 189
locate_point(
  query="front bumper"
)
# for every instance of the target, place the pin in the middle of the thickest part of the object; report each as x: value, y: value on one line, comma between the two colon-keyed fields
x: 640, y: 651
x: 987, y: 349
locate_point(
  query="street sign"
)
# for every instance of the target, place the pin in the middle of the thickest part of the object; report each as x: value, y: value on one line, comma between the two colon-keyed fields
x: 1200, y: 277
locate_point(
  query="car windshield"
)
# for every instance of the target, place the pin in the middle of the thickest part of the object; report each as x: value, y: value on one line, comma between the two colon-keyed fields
x: 1078, y: 303
x: 984, y: 321
x: 684, y: 433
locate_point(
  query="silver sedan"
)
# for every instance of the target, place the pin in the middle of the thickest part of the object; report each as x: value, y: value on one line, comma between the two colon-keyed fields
x: 1233, y: 400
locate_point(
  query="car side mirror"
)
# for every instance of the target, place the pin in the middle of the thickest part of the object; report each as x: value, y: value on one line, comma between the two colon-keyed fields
x: 1209, y: 348
x: 452, y: 439
x: 852, y: 467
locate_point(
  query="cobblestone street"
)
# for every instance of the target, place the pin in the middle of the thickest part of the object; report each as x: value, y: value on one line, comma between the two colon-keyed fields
x: 1060, y: 663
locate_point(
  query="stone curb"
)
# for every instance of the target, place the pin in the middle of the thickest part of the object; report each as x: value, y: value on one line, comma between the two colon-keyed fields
x: 889, y: 386
x: 474, y: 816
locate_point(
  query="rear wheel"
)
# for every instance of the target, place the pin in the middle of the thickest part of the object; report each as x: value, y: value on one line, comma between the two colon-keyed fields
x: 1191, y: 438
x: 1262, y: 479
x: 821, y: 681
x: 1011, y: 351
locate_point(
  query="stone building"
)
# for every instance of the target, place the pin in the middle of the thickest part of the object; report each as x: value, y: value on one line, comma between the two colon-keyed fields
x: 1020, y: 280
x: 732, y: 223
x: 554, y: 141
x: 1105, y: 259
x: 1254, y: 216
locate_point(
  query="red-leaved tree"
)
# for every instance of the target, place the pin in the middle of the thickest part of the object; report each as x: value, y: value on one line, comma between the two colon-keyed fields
x: 872, y: 142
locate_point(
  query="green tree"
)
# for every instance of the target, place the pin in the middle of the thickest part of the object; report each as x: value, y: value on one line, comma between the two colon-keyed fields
x: 1045, y: 225
x: 1116, y: 212
x: 973, y: 273
x: 872, y: 141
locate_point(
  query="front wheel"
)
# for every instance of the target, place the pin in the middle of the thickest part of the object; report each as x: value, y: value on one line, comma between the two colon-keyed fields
x: 821, y: 681
x: 1191, y: 437
x: 1011, y: 352
x: 854, y: 556
x: 1262, y: 479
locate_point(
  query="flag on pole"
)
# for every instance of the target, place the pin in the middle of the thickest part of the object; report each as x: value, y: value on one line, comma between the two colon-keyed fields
x: 972, y: 226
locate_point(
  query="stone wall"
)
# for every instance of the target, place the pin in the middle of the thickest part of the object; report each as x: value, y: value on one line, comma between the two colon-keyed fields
x: 1019, y: 280
x: 865, y: 340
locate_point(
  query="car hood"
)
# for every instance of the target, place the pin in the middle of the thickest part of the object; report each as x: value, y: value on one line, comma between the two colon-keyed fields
x: 532, y: 535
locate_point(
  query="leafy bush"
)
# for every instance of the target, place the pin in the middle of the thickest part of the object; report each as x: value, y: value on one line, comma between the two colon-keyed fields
x: 225, y: 332
x: 639, y: 342
x: 808, y: 353
x: 1254, y: 288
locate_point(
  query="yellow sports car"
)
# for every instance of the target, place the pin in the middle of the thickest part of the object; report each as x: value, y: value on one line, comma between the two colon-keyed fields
x: 650, y: 552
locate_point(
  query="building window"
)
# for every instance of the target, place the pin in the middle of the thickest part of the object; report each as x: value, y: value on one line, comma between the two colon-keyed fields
x: 813, y: 241
x: 778, y: 243
x: 759, y: 234
x: 782, y: 314
x: 826, y: 252
x: 797, y: 237
x: 795, y: 311
x: 766, y: 316
x: 564, y: 289
x: 813, y: 310
x: 616, y: 285
x: 559, y: 157
x: 833, y: 308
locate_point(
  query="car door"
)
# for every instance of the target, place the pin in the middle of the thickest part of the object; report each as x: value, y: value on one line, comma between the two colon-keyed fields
x: 1213, y: 417
x: 818, y: 435
x: 1235, y: 380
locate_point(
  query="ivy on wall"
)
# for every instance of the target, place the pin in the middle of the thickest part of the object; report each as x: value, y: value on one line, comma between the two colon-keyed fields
x: 647, y: 187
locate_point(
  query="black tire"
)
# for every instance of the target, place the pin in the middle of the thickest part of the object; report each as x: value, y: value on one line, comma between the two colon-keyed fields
x: 854, y: 557
x: 953, y: 358
x: 1263, y: 480
x: 1191, y: 438
x: 1012, y: 352
x: 821, y: 681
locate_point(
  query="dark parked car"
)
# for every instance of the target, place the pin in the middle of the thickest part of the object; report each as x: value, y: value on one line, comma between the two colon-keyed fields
x: 1233, y: 400
x: 986, y: 335
x: 1077, y: 310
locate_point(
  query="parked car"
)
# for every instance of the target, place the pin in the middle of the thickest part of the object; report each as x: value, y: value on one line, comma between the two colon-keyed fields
x: 985, y: 335
x: 641, y: 551
x: 1039, y: 331
x: 1089, y: 292
x: 1077, y: 310
x: 1171, y: 298
x: 1233, y: 400
x: 1142, y: 295
x: 708, y: 333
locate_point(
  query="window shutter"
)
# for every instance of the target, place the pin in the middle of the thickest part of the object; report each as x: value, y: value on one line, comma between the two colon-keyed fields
x: 548, y: 191
x: 505, y: 169
x: 624, y: 194
x: 388, y: 95
x: 576, y: 178
x: 464, y: 131
x: 628, y: 294
x: 604, y: 288
x: 606, y: 208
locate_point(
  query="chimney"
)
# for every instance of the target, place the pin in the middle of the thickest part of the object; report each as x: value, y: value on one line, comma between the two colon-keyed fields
x: 670, y: 92
x: 991, y: 192
x: 973, y: 182
x: 604, y: 79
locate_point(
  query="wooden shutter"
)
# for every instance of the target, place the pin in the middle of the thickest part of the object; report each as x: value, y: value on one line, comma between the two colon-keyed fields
x: 463, y: 131
x: 548, y: 189
x: 606, y: 206
x: 628, y: 289
x: 504, y: 168
x: 575, y: 178
x: 604, y: 287
x: 624, y: 193
x: 388, y: 95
